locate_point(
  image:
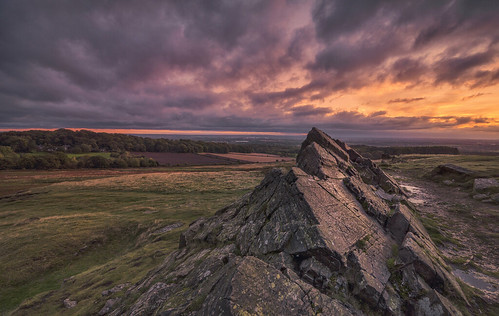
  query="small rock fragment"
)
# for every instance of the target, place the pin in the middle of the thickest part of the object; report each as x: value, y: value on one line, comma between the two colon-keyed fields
x: 480, y: 196
x: 115, y: 289
x: 107, y: 307
x: 69, y: 303
x: 485, y: 185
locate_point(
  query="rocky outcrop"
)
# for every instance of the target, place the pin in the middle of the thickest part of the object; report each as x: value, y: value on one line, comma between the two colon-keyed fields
x: 332, y: 236
x: 450, y: 172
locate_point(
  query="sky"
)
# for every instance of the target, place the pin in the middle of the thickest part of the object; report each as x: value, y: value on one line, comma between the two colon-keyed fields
x: 351, y: 67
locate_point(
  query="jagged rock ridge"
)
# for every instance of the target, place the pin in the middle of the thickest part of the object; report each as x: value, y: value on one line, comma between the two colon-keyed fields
x: 333, y: 236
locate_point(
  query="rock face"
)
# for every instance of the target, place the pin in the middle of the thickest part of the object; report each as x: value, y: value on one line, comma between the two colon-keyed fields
x: 332, y: 236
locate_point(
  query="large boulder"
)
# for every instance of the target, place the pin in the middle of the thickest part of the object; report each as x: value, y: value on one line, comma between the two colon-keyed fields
x: 449, y: 173
x: 321, y: 238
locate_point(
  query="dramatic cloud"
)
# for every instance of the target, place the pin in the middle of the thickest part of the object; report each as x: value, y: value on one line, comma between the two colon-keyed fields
x: 258, y: 65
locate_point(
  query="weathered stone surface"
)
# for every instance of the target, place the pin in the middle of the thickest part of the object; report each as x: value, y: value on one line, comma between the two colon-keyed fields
x: 117, y: 288
x: 485, y: 185
x: 434, y: 305
x: 150, y: 301
x: 402, y: 221
x: 317, y: 161
x: 257, y: 288
x: 108, y: 306
x: 323, y: 140
x: 327, y: 236
x: 168, y: 228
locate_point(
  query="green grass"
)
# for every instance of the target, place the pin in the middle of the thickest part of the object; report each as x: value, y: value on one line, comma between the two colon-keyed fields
x: 104, y: 154
x: 434, y: 228
x: 97, y: 226
x: 419, y: 165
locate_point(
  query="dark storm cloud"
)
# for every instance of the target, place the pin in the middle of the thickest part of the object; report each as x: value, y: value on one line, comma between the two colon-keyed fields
x: 79, y: 54
x: 408, y: 70
x: 485, y: 78
x: 278, y: 96
x: 365, y: 34
x: 453, y: 69
x: 232, y: 64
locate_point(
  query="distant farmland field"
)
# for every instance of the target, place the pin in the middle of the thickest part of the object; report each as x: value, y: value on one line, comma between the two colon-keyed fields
x: 185, y: 159
x: 192, y: 159
x: 251, y: 157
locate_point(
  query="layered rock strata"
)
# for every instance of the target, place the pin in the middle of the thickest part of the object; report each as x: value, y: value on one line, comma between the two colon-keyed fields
x: 334, y: 236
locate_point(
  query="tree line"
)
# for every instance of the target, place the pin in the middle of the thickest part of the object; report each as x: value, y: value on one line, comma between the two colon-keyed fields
x: 38, y: 149
x: 84, y: 141
x: 59, y: 160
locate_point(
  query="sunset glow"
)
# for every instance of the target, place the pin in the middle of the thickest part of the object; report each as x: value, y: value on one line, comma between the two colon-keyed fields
x: 162, y: 132
x: 409, y: 68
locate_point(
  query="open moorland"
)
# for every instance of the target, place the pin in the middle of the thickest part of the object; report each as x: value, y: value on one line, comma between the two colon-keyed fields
x: 87, y: 235
x: 100, y: 228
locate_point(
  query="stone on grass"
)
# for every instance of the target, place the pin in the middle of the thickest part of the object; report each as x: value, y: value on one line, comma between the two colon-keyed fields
x: 69, y: 303
x: 486, y: 185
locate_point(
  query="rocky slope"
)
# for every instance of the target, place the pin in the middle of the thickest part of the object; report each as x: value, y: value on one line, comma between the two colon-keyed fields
x: 333, y: 236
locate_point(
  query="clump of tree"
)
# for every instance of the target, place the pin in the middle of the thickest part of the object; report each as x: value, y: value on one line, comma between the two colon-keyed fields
x: 59, y: 160
x: 84, y: 141
x: 375, y: 152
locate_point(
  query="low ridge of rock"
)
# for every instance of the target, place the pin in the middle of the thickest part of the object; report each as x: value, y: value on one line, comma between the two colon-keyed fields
x: 332, y: 236
x: 451, y: 172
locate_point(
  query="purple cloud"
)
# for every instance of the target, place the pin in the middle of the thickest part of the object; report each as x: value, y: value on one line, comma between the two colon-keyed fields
x: 244, y: 65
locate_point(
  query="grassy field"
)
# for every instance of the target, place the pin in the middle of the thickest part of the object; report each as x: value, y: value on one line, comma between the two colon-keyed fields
x: 72, y: 234
x: 99, y: 228
x: 420, y: 165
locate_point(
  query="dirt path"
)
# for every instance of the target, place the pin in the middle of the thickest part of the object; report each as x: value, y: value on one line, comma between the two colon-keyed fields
x: 469, y: 228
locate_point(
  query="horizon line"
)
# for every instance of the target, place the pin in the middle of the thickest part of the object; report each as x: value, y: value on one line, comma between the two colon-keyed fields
x: 154, y: 131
